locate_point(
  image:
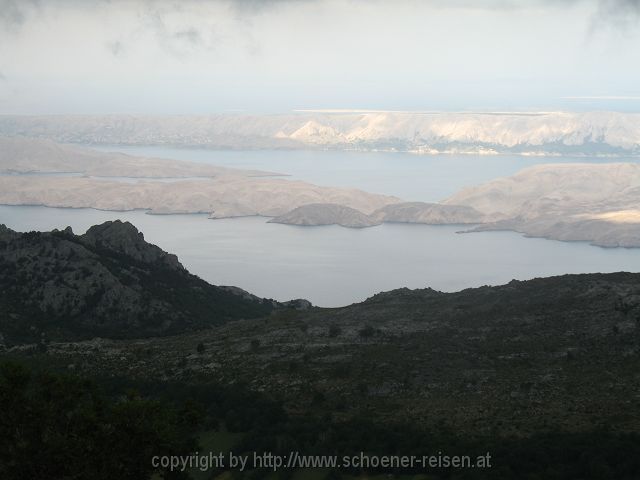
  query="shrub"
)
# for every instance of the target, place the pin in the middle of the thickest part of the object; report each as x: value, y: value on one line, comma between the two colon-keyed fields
x: 367, y: 331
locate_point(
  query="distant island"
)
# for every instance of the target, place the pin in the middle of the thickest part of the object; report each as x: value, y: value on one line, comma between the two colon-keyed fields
x: 221, y: 192
x: 596, y: 203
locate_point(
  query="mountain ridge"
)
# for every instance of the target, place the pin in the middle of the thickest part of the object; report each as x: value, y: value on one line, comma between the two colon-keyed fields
x: 542, y: 133
x: 107, y: 282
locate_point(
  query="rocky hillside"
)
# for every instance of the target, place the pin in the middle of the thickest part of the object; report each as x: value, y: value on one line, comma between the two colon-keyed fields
x: 421, y: 132
x: 597, y: 203
x: 108, y: 282
x: 219, y: 191
x: 550, y: 354
x: 22, y: 155
x: 428, y: 213
x: 402, y: 212
x: 326, y: 214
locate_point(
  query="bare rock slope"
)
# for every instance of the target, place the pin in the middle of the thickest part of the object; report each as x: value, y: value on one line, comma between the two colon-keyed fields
x: 326, y: 214
x: 108, y: 282
x: 598, y: 203
x: 32, y: 155
x: 428, y: 213
x: 554, y: 133
x: 227, y: 196
x: 226, y: 192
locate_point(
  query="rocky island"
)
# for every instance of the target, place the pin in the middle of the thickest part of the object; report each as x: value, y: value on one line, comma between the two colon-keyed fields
x: 315, y: 214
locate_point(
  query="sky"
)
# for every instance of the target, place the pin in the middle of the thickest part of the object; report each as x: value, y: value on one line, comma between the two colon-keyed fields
x: 272, y: 56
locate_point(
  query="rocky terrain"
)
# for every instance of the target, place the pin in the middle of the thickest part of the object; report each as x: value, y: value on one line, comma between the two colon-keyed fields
x: 428, y: 213
x: 597, y: 203
x: 222, y: 197
x: 403, y: 212
x: 546, y: 368
x: 559, y: 354
x: 108, y: 282
x: 21, y: 155
x: 223, y: 192
x: 535, y: 133
x: 325, y: 214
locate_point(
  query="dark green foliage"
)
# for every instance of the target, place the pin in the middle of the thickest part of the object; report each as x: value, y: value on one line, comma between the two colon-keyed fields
x: 56, y: 426
x: 238, y: 408
x: 334, y: 331
x: 366, y: 331
x: 63, y: 427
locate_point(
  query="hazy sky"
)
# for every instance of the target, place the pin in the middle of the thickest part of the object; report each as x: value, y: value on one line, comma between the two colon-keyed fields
x: 198, y: 56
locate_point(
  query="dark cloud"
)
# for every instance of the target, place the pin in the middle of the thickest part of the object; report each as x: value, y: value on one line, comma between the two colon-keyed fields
x: 183, y: 39
x: 619, y: 10
x: 620, y: 15
x: 190, y: 35
x: 257, y: 5
x: 14, y: 13
x: 116, y: 48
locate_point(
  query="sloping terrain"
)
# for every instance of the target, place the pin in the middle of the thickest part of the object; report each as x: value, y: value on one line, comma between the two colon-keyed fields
x: 223, y: 192
x: 325, y: 214
x: 108, y: 282
x: 428, y: 213
x: 539, y: 133
x: 21, y: 155
x: 223, y: 197
x: 597, y: 203
x: 540, y: 373
x: 551, y: 354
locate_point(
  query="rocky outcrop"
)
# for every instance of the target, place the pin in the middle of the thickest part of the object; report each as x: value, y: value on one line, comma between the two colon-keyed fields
x: 108, y: 282
x: 124, y: 238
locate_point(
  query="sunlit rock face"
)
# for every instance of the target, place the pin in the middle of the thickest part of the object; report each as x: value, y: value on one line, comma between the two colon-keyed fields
x: 531, y: 133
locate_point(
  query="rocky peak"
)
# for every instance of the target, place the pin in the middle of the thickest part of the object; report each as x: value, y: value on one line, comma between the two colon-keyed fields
x: 124, y: 238
x: 6, y: 233
x: 107, y: 282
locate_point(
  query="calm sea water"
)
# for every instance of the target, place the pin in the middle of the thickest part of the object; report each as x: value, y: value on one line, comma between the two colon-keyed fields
x: 333, y: 266
x: 427, y: 178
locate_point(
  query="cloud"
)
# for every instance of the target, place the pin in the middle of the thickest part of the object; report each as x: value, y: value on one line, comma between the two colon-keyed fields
x: 14, y: 13
x: 116, y: 48
x: 190, y: 35
x: 259, y: 6
x: 617, y: 14
x: 177, y: 34
x: 618, y: 8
